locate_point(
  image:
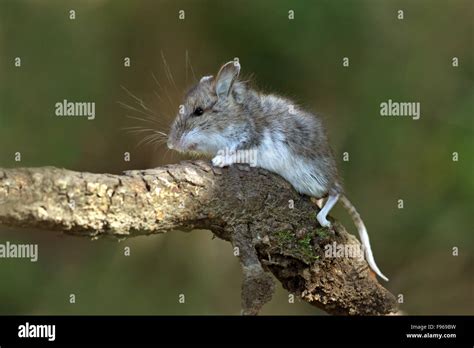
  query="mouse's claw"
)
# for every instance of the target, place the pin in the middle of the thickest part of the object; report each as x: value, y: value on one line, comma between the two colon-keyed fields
x: 219, y: 161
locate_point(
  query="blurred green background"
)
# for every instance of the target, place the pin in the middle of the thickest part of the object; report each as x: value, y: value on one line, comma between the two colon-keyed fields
x: 390, y: 158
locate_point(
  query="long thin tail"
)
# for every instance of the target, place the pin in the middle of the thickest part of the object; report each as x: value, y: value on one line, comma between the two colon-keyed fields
x: 364, y: 236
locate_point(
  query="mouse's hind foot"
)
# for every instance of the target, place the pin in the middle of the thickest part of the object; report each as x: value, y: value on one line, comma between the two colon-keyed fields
x: 323, y: 213
x: 322, y: 219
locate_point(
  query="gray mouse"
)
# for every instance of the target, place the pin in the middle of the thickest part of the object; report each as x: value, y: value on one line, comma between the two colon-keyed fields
x: 224, y: 112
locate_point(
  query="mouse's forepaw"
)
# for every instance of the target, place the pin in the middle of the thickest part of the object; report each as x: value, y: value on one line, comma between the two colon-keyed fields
x: 220, y: 161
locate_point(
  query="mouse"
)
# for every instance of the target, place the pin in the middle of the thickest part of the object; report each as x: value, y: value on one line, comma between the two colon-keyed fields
x: 223, y: 115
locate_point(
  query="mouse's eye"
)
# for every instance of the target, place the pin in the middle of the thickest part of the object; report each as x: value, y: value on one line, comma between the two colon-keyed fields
x: 198, y: 111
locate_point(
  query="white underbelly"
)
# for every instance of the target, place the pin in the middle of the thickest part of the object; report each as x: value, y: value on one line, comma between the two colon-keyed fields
x: 301, y: 174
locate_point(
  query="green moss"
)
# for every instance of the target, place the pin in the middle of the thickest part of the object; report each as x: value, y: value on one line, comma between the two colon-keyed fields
x: 322, y: 232
x: 285, y: 236
x: 301, y: 248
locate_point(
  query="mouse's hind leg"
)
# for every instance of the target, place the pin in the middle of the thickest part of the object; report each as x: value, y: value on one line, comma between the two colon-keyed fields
x: 323, y: 213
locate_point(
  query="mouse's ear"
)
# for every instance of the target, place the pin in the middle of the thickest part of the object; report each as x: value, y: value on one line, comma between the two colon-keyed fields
x: 226, y: 77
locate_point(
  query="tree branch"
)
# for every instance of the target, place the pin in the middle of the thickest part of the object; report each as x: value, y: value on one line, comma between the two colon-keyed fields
x: 248, y: 207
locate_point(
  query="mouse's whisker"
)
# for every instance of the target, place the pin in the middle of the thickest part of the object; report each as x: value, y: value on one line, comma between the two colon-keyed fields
x: 143, y: 119
x: 149, y: 139
x: 156, y: 139
x: 158, y: 96
x: 129, y: 107
x: 186, y: 68
x: 137, y: 129
x: 166, y: 154
x: 157, y: 144
x: 188, y: 63
x: 153, y: 134
x: 168, y: 72
x: 138, y: 100
x: 160, y: 123
x: 145, y: 139
x: 160, y: 140
x: 165, y: 90
x: 157, y: 132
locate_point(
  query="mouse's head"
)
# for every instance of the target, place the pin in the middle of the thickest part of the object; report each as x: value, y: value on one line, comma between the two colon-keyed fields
x: 212, y: 116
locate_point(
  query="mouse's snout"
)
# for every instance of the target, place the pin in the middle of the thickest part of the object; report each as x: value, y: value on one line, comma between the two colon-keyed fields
x: 183, y: 140
x: 181, y: 144
x: 174, y: 142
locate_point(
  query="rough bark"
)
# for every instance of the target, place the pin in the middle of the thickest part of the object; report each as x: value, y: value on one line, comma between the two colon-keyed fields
x: 248, y: 207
